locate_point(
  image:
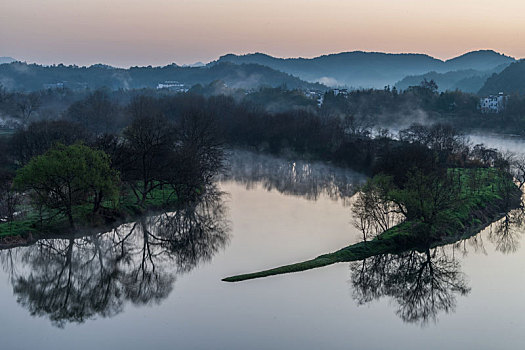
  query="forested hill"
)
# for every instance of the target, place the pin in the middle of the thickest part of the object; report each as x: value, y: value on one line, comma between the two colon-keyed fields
x: 466, y: 80
x: 478, y: 60
x: 22, y: 76
x: 370, y: 69
x: 511, y: 80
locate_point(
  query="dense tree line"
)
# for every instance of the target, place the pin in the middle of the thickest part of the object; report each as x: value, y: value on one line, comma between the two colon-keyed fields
x: 81, y: 157
x: 175, y: 140
x: 105, y: 110
x: 99, y: 121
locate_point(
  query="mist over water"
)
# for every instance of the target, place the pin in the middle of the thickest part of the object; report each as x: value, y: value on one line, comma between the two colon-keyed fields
x: 308, y: 179
x: 503, y: 143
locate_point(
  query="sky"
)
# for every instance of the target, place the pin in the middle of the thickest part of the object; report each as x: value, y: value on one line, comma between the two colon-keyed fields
x: 158, y: 32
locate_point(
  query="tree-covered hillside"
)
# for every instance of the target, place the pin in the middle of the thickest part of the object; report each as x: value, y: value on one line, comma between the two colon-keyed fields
x: 510, y: 81
x: 370, y: 69
x: 468, y: 80
x: 22, y: 76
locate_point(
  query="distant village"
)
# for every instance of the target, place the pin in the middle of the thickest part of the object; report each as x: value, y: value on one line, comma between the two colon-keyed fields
x: 489, y: 104
x: 318, y: 95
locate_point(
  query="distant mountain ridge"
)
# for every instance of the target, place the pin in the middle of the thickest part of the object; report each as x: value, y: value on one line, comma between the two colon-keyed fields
x: 6, y: 60
x: 357, y: 69
x: 23, y: 76
x: 479, y: 60
x: 369, y: 69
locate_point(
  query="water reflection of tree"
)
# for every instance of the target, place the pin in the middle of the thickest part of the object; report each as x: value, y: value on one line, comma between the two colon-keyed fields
x: 476, y: 242
x: 421, y: 284
x: 507, y: 232
x: 75, y: 279
x: 298, y: 178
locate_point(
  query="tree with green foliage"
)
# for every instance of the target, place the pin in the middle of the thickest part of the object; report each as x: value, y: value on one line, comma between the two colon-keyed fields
x: 69, y: 176
x: 426, y: 196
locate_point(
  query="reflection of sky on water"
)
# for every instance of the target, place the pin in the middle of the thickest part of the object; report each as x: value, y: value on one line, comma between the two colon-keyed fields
x: 424, y: 284
x: 309, y: 310
x: 81, y: 278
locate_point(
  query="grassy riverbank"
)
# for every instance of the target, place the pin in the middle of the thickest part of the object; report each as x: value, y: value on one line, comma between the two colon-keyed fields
x: 494, y: 194
x: 33, y: 223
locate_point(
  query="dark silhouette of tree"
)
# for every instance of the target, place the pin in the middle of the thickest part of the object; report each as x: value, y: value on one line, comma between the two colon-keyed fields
x: 157, y: 152
x: 198, y: 155
x: 429, y: 85
x: 97, y: 112
x: 148, y: 143
x: 40, y: 136
x: 438, y: 137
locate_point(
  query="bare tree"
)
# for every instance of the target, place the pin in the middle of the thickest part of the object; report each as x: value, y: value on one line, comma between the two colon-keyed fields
x: 149, y: 143
x: 517, y: 167
x: 373, y: 211
x: 27, y: 105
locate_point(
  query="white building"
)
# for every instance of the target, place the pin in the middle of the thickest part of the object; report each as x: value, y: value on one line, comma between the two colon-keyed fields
x: 172, y: 86
x: 53, y: 86
x: 343, y: 92
x: 317, y: 95
x: 493, y: 103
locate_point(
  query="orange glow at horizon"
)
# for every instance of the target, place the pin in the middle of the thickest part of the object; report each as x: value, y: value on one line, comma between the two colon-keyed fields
x: 133, y: 32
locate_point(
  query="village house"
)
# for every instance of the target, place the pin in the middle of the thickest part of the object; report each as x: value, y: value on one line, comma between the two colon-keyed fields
x: 493, y: 103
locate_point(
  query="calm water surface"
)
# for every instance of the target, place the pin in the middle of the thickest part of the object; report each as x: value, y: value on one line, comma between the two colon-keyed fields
x: 156, y: 283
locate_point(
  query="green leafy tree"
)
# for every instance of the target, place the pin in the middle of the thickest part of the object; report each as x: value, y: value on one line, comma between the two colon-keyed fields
x: 427, y: 196
x: 68, y: 176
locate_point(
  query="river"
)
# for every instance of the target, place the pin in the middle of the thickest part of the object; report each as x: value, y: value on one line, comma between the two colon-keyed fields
x: 140, y: 287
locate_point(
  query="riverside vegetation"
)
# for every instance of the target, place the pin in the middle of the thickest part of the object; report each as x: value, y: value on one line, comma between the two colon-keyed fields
x: 158, y: 152
x: 429, y: 202
x: 435, y: 212
x: 58, y: 178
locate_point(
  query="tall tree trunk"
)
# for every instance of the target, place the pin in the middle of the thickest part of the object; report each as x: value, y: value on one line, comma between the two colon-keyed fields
x: 96, y: 202
x: 70, y: 218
